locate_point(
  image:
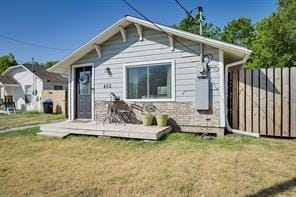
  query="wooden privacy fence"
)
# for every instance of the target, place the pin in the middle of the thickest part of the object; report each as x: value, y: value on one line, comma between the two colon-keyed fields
x: 263, y: 101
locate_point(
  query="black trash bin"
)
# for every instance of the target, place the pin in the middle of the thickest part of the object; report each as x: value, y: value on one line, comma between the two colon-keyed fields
x: 48, y: 106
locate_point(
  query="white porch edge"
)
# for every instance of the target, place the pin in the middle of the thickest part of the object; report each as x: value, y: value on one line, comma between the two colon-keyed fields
x: 72, y: 90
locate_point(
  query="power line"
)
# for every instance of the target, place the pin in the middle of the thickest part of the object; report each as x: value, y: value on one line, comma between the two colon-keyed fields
x: 184, y: 45
x: 183, y: 8
x: 32, y: 44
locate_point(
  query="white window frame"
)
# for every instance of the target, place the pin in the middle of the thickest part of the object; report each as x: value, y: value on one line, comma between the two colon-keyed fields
x: 150, y: 63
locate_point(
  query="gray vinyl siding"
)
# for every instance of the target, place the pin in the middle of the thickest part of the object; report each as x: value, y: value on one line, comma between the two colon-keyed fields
x: 155, y: 46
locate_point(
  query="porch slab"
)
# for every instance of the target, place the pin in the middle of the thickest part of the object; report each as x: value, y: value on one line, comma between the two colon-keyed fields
x: 134, y: 131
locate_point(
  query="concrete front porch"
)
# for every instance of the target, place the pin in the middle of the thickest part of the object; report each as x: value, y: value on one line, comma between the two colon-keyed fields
x: 135, y: 131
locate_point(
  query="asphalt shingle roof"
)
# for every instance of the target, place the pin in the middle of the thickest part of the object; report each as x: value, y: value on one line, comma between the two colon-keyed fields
x: 43, y: 74
x: 7, y: 80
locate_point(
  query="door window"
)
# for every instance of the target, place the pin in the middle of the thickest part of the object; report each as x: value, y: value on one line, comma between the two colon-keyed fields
x: 84, y: 83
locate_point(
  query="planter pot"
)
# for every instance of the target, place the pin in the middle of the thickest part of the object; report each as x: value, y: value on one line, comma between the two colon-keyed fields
x: 147, y: 119
x: 162, y: 120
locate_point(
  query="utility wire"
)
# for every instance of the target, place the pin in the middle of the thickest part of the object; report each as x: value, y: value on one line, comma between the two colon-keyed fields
x: 187, y: 12
x: 32, y: 44
x: 184, y: 45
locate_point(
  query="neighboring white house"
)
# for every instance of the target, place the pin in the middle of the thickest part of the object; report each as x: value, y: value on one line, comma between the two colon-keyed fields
x: 180, y: 73
x: 23, y: 84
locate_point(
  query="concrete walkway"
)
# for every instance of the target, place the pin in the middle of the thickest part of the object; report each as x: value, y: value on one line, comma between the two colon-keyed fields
x: 19, y: 128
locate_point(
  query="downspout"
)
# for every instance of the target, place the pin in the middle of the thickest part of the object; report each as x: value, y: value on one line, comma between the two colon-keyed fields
x: 228, y: 127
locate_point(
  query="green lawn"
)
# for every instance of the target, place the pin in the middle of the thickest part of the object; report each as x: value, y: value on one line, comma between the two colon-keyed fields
x: 178, y: 165
x: 27, y: 118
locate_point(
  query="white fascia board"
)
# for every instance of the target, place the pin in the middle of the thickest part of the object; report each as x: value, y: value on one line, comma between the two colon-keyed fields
x: 10, y: 68
x: 77, y: 53
x: 10, y: 85
x: 18, y: 66
x: 113, y: 29
x: 190, y: 36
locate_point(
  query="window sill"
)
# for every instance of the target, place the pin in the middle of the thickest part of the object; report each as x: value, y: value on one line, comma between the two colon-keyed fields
x: 150, y: 100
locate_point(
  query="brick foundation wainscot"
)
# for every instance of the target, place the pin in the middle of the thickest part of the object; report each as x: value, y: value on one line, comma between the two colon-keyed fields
x: 183, y: 116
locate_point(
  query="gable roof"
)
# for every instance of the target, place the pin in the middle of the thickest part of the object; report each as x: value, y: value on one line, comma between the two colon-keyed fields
x: 40, y: 71
x: 7, y: 80
x: 127, y: 20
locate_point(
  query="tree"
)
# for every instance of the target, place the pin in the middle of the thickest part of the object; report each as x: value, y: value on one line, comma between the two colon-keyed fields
x: 6, y: 61
x: 239, y: 31
x: 49, y: 64
x: 275, y: 41
x: 191, y: 24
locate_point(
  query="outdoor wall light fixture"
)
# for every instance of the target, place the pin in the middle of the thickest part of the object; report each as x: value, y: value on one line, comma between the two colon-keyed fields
x: 108, y: 71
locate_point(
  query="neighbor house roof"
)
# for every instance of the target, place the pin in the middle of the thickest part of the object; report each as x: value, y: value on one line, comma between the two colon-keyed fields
x: 231, y: 49
x: 7, y: 80
x: 40, y: 71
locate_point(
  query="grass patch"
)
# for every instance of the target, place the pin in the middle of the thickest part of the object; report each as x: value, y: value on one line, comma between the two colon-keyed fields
x: 178, y: 165
x: 27, y: 118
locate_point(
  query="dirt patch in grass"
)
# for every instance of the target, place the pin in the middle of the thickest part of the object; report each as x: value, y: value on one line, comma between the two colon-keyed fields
x: 27, y: 118
x: 178, y: 165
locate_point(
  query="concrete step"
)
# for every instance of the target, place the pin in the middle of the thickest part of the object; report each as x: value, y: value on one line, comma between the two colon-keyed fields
x: 53, y: 134
x: 54, y: 129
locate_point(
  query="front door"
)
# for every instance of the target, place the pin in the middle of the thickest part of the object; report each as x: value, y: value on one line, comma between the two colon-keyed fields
x: 83, y: 92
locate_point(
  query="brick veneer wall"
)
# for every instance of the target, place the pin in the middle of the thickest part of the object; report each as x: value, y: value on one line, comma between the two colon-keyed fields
x: 59, y: 99
x: 182, y: 115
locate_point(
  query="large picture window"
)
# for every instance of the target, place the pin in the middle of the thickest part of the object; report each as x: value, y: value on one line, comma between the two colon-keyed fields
x: 149, y: 82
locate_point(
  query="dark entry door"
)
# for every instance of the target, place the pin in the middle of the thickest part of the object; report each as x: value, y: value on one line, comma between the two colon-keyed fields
x: 83, y: 92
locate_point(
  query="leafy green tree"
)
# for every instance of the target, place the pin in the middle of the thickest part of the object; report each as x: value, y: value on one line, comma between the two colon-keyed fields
x: 49, y: 64
x: 239, y: 31
x: 190, y: 24
x: 6, y: 61
x: 275, y: 41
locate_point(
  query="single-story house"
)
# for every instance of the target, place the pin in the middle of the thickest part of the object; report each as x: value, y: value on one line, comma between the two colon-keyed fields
x: 23, y: 84
x: 180, y: 73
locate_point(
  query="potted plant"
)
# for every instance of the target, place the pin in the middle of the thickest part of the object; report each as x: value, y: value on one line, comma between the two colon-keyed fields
x: 162, y: 120
x: 147, y: 117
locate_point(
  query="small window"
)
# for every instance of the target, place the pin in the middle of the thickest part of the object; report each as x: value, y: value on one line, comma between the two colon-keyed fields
x: 28, y: 94
x: 149, y: 82
x: 58, y: 87
x: 28, y: 89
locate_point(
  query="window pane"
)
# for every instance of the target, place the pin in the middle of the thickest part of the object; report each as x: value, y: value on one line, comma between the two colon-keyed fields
x: 28, y: 89
x: 84, y: 83
x: 137, y: 83
x: 58, y: 87
x: 159, y: 82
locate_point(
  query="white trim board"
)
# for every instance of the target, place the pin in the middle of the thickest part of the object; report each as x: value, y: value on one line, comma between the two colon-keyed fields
x: 152, y: 63
x: 221, y: 88
x: 20, y: 66
x: 72, y: 90
x: 127, y: 20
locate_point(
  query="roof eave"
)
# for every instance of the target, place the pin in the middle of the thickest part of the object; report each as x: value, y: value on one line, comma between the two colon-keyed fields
x: 102, y: 37
x: 88, y: 44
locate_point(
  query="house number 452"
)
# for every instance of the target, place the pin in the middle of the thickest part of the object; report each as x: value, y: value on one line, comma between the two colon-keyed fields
x: 107, y: 85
